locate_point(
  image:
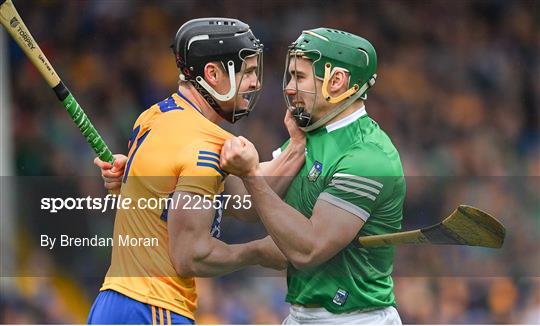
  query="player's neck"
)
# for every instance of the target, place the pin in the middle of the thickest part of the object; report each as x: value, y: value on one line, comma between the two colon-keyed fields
x: 195, y: 97
x: 348, y: 111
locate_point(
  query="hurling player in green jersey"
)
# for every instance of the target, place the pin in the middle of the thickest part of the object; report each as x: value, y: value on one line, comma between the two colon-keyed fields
x: 351, y: 184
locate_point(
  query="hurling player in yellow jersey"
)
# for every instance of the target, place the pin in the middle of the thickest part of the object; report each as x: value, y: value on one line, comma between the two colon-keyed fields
x: 174, y: 153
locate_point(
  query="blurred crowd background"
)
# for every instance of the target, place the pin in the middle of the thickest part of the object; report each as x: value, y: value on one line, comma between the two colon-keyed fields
x: 458, y: 91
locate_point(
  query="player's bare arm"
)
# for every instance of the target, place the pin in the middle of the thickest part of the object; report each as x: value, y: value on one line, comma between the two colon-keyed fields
x: 278, y: 172
x: 270, y: 255
x: 305, y: 242
x: 193, y: 250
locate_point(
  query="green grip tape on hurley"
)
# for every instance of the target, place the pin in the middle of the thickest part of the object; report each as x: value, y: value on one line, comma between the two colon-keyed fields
x: 87, y: 129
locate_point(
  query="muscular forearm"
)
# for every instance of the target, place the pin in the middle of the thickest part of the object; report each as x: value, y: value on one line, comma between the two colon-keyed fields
x: 270, y: 255
x: 212, y: 257
x: 280, y: 171
x: 292, y: 232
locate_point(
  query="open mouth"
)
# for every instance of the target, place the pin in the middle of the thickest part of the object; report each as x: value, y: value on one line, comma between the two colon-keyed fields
x: 242, y: 102
x: 245, y: 100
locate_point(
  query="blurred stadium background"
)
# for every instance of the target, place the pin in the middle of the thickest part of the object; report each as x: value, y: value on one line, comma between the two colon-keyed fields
x: 458, y: 91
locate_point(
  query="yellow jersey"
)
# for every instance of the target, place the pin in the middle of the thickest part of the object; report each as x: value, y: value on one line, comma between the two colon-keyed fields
x: 173, y: 147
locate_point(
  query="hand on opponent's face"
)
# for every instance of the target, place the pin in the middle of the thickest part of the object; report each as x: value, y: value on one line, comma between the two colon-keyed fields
x: 296, y: 134
x: 239, y: 157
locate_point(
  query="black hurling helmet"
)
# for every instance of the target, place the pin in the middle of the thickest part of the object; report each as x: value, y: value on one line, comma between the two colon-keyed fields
x: 225, y: 40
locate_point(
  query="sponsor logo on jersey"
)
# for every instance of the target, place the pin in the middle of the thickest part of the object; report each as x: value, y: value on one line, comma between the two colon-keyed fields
x: 340, y: 297
x: 315, y: 171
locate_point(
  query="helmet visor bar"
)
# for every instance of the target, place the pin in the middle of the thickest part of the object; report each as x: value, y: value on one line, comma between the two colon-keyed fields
x: 297, y: 97
x: 249, y: 84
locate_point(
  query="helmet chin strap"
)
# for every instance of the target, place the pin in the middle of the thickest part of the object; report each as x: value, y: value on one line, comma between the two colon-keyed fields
x: 211, y: 96
x: 342, y: 107
x: 228, y: 116
x: 301, y: 116
x: 213, y: 92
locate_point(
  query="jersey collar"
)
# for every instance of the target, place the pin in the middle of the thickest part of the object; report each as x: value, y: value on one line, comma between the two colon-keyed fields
x: 183, y: 97
x: 347, y: 120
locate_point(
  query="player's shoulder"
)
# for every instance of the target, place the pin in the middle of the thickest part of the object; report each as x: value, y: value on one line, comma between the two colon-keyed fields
x: 180, y: 116
x: 147, y: 116
x: 175, y: 109
x: 204, y: 148
x: 368, y: 166
x: 371, y: 159
x: 202, y: 158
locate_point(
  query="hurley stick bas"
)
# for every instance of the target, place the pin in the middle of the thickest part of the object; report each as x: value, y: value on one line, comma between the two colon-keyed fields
x: 467, y: 225
x: 15, y: 26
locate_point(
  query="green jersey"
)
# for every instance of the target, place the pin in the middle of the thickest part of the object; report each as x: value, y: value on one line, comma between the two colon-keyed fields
x: 353, y: 165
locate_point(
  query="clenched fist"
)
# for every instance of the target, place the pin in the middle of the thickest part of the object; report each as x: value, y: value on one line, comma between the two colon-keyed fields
x: 239, y: 157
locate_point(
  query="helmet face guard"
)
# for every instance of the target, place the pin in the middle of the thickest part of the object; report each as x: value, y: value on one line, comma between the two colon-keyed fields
x: 230, y: 42
x: 251, y: 95
x: 241, y: 98
x: 331, y: 50
x: 295, y: 105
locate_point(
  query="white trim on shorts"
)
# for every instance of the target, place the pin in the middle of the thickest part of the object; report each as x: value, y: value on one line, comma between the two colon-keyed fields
x: 300, y: 315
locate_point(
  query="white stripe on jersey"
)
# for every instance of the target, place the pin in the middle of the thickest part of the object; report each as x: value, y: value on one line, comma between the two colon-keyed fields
x: 355, y: 184
x: 345, y: 205
x: 354, y: 191
x: 357, y: 178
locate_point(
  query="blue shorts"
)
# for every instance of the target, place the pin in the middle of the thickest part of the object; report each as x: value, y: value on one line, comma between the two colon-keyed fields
x: 111, y: 307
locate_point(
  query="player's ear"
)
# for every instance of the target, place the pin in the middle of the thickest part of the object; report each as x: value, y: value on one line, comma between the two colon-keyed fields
x: 212, y: 73
x: 339, y: 82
